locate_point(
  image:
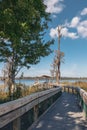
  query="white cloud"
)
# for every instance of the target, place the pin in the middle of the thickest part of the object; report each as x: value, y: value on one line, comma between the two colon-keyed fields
x: 53, y: 32
x: 84, y: 11
x: 65, y: 33
x: 74, y: 29
x: 54, y: 6
x: 80, y: 26
x: 84, y: 23
x: 74, y: 22
x: 82, y: 31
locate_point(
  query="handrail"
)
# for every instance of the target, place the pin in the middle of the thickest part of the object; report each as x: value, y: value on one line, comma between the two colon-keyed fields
x: 79, y: 90
x: 82, y: 97
x: 83, y: 94
x: 14, y: 109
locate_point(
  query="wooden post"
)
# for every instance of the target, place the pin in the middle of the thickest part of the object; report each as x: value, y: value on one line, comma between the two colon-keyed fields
x: 16, y: 124
x: 72, y: 90
x: 64, y: 88
x: 85, y: 110
x: 68, y: 89
x: 35, y: 112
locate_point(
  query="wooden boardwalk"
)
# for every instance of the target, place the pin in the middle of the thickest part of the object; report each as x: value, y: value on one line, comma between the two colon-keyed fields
x: 65, y: 114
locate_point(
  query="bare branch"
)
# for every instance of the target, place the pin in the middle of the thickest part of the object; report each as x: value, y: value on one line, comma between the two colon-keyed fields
x: 18, y: 70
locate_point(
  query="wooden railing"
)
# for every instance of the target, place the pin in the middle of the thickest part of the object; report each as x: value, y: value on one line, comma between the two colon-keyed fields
x: 82, y: 97
x: 13, y: 114
x: 70, y: 89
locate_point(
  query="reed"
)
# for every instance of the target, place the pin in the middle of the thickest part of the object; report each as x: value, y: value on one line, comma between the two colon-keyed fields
x: 80, y: 84
x: 21, y: 91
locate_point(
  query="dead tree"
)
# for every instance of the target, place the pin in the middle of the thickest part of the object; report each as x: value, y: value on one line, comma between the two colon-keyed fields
x: 58, y: 58
x: 54, y: 66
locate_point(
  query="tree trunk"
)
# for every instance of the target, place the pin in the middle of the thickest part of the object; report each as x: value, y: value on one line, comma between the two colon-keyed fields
x: 11, y: 84
x: 10, y: 68
x: 58, y: 73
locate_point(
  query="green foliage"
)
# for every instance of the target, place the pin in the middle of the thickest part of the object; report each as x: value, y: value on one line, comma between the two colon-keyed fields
x: 22, y: 27
x: 18, y: 93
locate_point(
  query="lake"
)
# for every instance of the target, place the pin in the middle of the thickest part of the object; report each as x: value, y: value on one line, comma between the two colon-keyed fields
x: 31, y: 82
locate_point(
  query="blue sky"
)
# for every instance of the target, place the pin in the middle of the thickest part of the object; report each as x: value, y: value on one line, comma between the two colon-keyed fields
x: 72, y: 15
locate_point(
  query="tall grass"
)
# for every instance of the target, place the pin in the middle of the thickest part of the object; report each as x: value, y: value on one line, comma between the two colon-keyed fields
x: 80, y: 84
x: 21, y: 91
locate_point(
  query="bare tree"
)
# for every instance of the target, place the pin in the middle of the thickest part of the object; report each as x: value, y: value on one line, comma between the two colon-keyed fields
x: 58, y: 58
x: 59, y: 54
x: 55, y: 68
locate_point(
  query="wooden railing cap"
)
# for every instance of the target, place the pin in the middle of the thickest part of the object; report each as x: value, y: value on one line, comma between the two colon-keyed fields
x: 12, y: 105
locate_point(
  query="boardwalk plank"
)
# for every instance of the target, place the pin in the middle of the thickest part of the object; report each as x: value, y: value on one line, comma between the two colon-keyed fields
x: 64, y: 115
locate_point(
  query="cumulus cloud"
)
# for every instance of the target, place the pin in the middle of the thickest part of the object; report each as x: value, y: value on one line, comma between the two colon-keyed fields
x: 54, y: 6
x: 84, y: 11
x: 74, y: 22
x: 84, y: 23
x: 80, y: 26
x: 65, y: 33
x: 74, y: 29
x: 53, y: 32
x: 82, y: 29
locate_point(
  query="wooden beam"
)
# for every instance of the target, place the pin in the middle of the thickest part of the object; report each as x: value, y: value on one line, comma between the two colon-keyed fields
x: 13, y: 110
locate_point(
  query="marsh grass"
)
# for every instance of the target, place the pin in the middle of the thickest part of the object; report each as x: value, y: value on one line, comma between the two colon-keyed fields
x: 21, y: 91
x: 3, y: 97
x: 80, y: 84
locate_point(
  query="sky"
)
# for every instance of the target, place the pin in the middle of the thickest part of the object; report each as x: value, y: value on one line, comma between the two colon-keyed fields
x: 72, y: 16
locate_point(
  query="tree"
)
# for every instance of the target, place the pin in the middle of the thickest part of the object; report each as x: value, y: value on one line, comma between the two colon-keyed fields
x: 58, y: 58
x: 22, y: 28
x: 55, y: 70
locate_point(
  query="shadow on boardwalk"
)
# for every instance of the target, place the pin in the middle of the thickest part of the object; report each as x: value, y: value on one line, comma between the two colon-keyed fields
x: 63, y: 115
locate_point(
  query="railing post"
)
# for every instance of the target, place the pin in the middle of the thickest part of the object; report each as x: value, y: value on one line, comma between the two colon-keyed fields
x: 72, y: 90
x: 17, y: 111
x: 68, y: 89
x: 64, y: 88
x: 35, y: 112
x: 17, y: 124
x: 80, y: 102
x: 85, y: 110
